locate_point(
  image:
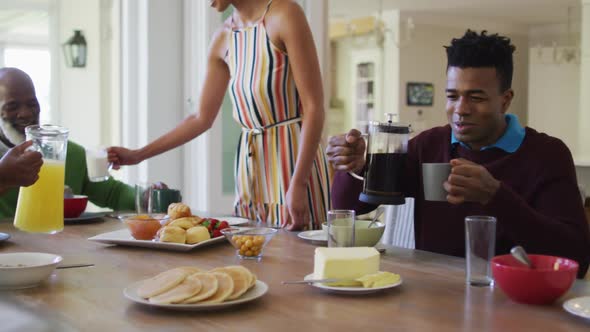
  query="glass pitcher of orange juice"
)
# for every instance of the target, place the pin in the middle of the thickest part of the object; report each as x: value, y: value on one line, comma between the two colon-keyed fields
x: 40, y: 207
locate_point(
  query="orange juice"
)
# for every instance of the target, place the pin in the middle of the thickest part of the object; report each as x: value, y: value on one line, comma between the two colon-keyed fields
x: 40, y: 207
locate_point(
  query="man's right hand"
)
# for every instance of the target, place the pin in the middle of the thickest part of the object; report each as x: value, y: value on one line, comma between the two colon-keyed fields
x: 347, y: 152
x: 119, y: 156
x: 19, y: 167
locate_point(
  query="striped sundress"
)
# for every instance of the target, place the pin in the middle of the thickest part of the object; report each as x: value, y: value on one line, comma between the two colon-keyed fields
x: 267, y: 106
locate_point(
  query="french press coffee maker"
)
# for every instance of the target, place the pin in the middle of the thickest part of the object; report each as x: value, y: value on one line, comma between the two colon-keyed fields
x: 387, y: 148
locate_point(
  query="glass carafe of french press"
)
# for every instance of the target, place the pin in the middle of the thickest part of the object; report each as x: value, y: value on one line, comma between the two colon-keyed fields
x: 387, y: 148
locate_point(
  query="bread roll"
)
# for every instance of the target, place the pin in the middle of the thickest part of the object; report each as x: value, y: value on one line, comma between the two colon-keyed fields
x: 178, y: 210
x: 197, y: 234
x: 173, y: 234
x: 185, y: 223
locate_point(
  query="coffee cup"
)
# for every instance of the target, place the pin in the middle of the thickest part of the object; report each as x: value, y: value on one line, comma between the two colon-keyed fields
x: 434, y: 176
x: 162, y: 198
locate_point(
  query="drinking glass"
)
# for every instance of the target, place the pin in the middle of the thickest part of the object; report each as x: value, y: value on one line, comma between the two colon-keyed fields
x: 40, y: 207
x: 341, y: 228
x: 480, y: 245
x: 143, y: 198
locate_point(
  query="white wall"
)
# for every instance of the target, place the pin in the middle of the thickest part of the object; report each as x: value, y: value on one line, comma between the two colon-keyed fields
x: 79, y: 88
x: 152, y: 97
x: 554, y: 97
x: 584, y: 118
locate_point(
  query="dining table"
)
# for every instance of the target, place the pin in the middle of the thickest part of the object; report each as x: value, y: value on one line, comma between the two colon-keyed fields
x: 433, y: 295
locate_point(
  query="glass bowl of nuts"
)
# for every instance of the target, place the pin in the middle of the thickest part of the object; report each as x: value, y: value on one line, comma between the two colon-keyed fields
x: 249, y: 242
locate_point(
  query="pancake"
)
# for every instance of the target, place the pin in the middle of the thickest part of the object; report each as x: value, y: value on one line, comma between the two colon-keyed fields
x: 225, y: 288
x: 161, y: 283
x: 186, y: 289
x: 241, y: 278
x: 209, y: 283
x: 190, y: 269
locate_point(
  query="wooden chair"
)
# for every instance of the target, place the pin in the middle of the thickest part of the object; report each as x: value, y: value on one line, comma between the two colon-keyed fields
x: 399, y: 225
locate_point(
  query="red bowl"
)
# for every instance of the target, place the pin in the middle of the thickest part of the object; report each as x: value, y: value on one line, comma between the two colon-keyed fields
x: 74, y: 206
x: 550, y: 278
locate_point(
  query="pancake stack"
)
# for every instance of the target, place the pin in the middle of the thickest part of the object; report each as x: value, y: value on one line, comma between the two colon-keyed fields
x: 191, y: 285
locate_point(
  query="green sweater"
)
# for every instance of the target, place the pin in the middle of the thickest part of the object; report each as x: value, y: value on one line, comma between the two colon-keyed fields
x: 111, y: 193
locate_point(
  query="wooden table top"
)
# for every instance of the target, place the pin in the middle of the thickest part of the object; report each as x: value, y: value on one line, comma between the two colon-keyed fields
x: 433, y: 296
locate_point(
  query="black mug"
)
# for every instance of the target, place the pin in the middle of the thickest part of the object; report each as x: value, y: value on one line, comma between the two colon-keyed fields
x: 162, y: 198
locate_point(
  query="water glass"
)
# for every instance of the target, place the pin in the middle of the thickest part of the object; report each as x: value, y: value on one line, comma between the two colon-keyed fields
x: 480, y: 246
x: 341, y: 228
x: 143, y: 198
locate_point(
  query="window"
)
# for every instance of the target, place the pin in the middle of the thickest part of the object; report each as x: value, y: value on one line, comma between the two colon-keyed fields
x: 37, y: 63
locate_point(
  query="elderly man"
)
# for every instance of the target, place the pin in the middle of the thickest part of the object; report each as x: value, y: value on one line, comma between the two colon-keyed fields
x: 19, y: 108
x: 524, y: 178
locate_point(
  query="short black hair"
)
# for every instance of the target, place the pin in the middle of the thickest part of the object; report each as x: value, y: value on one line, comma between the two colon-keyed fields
x: 482, y: 50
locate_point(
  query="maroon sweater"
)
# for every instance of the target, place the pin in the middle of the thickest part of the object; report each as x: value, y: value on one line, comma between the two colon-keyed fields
x: 538, y: 204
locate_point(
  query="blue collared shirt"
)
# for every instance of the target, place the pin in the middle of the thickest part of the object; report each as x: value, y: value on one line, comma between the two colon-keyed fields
x: 509, y: 142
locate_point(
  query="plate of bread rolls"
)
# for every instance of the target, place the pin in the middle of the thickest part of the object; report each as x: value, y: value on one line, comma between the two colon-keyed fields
x: 179, y: 230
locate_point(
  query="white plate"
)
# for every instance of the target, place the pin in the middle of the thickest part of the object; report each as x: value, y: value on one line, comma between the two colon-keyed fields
x: 85, y: 216
x: 318, y: 236
x: 579, y: 306
x: 232, y: 221
x: 351, y: 290
x: 123, y: 237
x: 259, y: 289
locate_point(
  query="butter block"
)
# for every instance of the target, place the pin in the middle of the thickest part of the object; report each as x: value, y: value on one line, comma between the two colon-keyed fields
x: 379, y: 279
x: 345, y: 263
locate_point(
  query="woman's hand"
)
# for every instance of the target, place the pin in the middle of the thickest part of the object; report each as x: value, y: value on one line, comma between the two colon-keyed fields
x: 119, y: 156
x: 298, y: 210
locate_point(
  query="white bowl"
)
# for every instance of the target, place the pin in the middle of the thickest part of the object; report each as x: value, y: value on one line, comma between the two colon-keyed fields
x: 26, y: 269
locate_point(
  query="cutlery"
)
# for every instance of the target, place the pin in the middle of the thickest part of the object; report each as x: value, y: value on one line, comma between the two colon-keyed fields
x: 70, y: 266
x: 520, y: 255
x: 313, y: 281
x: 378, y: 214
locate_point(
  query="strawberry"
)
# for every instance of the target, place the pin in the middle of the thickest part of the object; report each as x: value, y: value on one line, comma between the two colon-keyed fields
x: 216, y: 233
x: 222, y: 225
x: 206, y: 223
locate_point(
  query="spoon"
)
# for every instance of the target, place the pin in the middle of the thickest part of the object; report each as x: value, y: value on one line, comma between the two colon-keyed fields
x: 378, y: 214
x: 521, y: 256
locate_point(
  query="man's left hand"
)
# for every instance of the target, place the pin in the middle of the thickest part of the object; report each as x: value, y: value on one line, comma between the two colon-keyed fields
x: 470, y: 182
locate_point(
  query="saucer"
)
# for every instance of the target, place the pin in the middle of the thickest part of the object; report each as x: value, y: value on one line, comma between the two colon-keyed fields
x: 579, y: 306
x: 318, y: 236
x: 350, y: 290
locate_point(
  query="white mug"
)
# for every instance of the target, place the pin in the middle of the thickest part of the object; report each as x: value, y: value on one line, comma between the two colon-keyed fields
x: 97, y: 164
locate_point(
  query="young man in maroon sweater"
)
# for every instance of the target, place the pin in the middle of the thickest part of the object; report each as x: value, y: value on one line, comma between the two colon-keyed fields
x: 524, y: 178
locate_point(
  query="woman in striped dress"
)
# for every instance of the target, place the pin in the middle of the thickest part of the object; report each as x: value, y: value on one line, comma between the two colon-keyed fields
x: 266, y: 55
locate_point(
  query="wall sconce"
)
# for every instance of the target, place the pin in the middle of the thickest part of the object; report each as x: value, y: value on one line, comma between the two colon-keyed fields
x: 75, y: 50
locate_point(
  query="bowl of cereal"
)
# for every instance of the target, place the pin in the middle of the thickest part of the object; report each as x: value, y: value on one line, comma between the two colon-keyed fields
x: 249, y: 242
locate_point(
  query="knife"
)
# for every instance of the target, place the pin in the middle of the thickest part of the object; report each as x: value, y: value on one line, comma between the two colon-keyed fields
x: 313, y: 281
x: 70, y: 266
